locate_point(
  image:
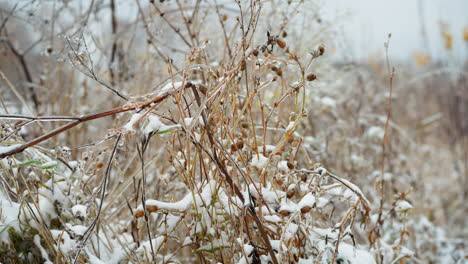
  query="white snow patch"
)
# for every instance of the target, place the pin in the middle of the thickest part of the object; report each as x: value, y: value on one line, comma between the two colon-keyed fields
x: 79, y: 210
x: 283, y: 165
x: 327, y: 101
x: 403, y: 206
x: 131, y: 124
x: 259, y: 161
x: 375, y: 132
x: 6, y: 149
x: 354, y: 255
x: 307, y: 200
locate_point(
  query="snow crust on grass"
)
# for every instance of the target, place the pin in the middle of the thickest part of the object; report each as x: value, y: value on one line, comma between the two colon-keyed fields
x: 79, y: 210
x: 259, y: 161
x: 130, y: 126
x: 204, y: 197
x: 5, y: 149
x: 8, y: 217
x: 354, y: 255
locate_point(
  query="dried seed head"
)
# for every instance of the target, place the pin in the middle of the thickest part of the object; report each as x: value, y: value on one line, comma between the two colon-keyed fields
x: 290, y: 193
x: 151, y: 208
x: 255, y: 53
x: 279, y: 180
x: 290, y: 165
x: 202, y: 88
x: 305, y: 209
x: 284, y: 212
x: 321, y: 50
x: 139, y: 214
x: 240, y: 144
x: 99, y: 165
x: 281, y: 43
x: 225, y: 17
x: 311, y: 77
x: 234, y: 147
x: 279, y: 72
x: 243, y: 65
x: 188, y: 85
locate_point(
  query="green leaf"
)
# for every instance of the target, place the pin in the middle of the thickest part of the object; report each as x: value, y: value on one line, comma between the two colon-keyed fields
x: 49, y: 167
x: 210, y: 250
x: 162, y: 132
x: 31, y: 162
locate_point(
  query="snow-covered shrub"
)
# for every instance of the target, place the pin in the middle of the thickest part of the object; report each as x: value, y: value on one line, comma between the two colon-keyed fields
x: 209, y: 133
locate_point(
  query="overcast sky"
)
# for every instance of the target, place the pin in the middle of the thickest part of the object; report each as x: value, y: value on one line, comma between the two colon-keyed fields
x: 366, y: 23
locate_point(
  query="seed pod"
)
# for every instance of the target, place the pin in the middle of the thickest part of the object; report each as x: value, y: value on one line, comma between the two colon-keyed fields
x: 311, y: 77
x: 284, y: 212
x: 188, y: 85
x: 290, y: 165
x: 151, y: 208
x: 279, y: 180
x: 290, y: 193
x: 255, y: 52
x: 234, y: 147
x: 243, y: 65
x: 139, y: 214
x: 305, y: 209
x: 321, y: 50
x: 279, y: 72
x: 99, y: 165
x: 240, y: 144
x: 202, y: 88
x: 281, y: 43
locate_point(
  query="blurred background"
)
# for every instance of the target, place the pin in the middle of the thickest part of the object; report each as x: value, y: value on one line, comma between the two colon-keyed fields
x: 437, y: 29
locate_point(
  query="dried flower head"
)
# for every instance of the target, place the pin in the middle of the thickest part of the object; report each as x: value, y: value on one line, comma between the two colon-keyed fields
x: 281, y: 43
x: 311, y: 77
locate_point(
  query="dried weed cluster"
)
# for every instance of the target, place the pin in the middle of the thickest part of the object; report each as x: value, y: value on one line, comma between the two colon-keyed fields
x: 199, y: 132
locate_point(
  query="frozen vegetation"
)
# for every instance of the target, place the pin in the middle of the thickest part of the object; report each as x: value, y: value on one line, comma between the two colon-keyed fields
x: 221, y: 132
